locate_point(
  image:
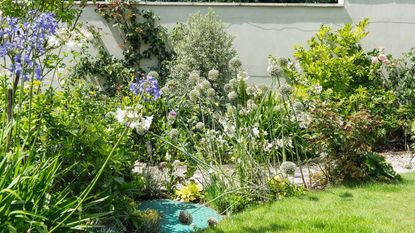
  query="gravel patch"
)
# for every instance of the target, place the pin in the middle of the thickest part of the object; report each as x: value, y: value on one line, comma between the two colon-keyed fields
x: 402, y: 162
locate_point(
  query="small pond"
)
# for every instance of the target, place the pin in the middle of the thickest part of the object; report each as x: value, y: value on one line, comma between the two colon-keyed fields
x: 170, y: 209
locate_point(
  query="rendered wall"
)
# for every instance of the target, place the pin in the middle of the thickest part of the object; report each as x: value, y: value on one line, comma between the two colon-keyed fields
x: 262, y: 30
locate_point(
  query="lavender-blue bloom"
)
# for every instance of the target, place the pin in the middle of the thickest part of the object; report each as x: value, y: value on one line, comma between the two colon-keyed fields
x: 23, y: 41
x: 147, y: 88
x: 133, y: 88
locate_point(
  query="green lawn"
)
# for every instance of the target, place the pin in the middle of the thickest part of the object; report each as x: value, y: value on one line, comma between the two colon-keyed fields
x: 371, y: 208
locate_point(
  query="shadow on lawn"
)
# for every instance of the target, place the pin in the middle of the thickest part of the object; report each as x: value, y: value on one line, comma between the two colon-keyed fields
x: 347, y: 196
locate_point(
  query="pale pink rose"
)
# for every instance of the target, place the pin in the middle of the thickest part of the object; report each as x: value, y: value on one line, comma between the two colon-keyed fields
x: 386, y: 62
x: 375, y: 60
x: 382, y: 57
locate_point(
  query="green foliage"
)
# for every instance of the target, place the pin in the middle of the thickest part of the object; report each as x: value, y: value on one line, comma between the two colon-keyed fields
x: 399, y: 76
x: 189, y: 193
x: 201, y: 44
x: 29, y: 195
x: 222, y: 197
x: 139, y: 28
x: 84, y: 150
x: 335, y: 61
x: 281, y: 187
x: 378, y: 169
x: 336, y: 68
x: 64, y: 10
x: 145, y: 48
x: 112, y: 75
x: 345, y: 145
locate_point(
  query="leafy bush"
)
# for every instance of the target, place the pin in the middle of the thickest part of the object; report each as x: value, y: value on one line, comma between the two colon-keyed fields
x: 399, y: 76
x: 281, y: 187
x: 189, y: 193
x: 335, y: 61
x: 345, y: 143
x: 202, y: 45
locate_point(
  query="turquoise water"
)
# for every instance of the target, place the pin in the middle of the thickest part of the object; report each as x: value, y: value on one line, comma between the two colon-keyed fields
x: 170, y: 210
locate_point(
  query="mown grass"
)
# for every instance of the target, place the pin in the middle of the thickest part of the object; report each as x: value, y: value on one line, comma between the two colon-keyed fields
x: 371, y: 208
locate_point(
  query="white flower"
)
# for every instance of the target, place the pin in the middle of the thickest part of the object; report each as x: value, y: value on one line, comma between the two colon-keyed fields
x: 242, y: 76
x: 71, y: 44
x: 274, y: 70
x: 288, y: 168
x: 279, y: 143
x: 168, y: 156
x: 205, y: 84
x: 268, y: 146
x: 120, y: 115
x: 213, y: 75
x: 233, y: 95
x: 132, y: 115
x: 176, y: 163
x: 143, y: 125
x: 304, y: 119
x: 53, y: 41
x: 147, y: 122
x: 298, y: 68
x: 255, y: 131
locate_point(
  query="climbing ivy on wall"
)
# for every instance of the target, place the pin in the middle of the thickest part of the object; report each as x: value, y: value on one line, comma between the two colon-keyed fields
x: 144, y: 43
x: 144, y: 38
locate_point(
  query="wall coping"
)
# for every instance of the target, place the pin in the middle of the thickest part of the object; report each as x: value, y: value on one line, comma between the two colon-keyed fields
x: 237, y: 4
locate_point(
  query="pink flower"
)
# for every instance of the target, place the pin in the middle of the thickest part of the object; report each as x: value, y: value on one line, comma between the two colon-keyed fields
x: 382, y: 57
x: 386, y: 62
x: 375, y: 60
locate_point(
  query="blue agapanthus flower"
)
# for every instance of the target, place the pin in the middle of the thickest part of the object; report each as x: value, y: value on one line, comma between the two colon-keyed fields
x: 148, y: 88
x: 24, y: 40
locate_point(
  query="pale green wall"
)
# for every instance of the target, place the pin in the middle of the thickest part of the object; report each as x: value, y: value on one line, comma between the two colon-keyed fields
x: 263, y: 30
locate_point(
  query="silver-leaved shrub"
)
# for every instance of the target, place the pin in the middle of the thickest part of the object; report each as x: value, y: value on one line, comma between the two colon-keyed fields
x: 201, y: 44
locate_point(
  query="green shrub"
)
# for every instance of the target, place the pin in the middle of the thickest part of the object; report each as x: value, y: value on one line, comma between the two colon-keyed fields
x: 190, y: 192
x: 335, y: 61
x: 344, y: 144
x: 82, y: 127
x: 399, y: 76
x: 202, y: 45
